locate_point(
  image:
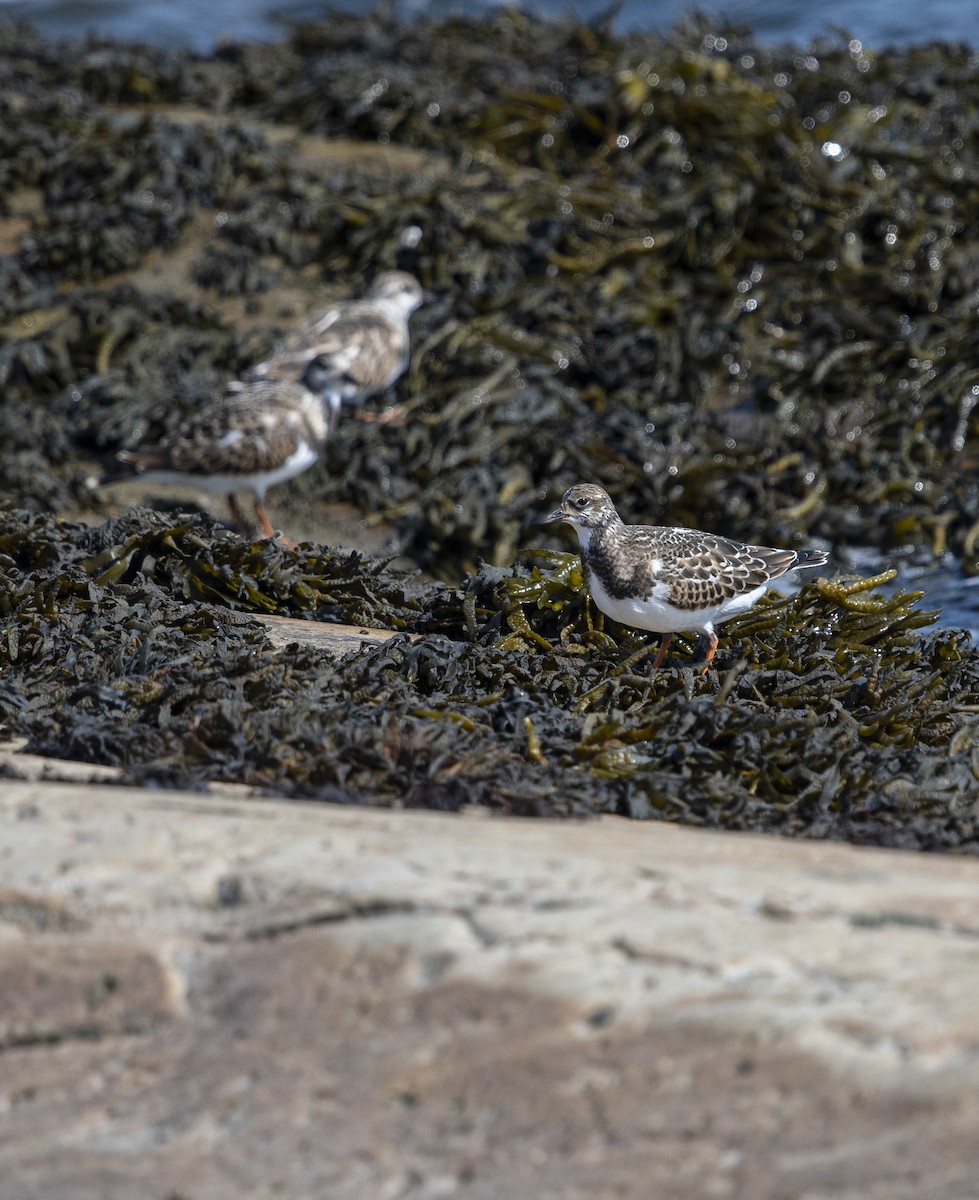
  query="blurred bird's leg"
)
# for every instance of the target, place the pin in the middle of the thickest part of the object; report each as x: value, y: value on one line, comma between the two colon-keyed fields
x: 237, y: 517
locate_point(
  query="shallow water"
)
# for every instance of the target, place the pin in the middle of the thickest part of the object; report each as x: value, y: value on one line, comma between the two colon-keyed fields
x: 877, y: 23
x: 948, y: 590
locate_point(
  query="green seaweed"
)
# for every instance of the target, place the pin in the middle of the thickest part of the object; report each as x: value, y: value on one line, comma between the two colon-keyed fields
x: 130, y: 644
x: 733, y: 284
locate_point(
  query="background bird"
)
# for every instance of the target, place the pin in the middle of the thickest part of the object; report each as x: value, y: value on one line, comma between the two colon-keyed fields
x: 274, y: 424
x: 361, y: 345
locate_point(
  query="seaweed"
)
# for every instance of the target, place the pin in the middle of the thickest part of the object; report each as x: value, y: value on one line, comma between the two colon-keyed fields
x: 830, y: 715
x: 733, y: 284
x: 650, y: 253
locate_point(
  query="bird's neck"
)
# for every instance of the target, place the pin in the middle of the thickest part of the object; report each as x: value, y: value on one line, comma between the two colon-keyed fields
x: 591, y: 537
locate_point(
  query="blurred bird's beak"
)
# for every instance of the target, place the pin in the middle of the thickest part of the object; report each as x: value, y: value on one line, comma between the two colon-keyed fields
x: 557, y: 514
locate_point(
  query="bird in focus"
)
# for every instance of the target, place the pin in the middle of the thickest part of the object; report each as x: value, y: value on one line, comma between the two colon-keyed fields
x: 668, y: 580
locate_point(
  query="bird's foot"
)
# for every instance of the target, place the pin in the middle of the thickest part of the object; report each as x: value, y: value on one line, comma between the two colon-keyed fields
x: 393, y: 415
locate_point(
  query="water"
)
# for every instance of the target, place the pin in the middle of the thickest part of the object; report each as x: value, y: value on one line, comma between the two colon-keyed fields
x: 189, y: 23
x: 948, y: 590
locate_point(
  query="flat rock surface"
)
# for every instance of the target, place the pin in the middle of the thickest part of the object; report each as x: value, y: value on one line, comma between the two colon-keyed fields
x: 204, y: 996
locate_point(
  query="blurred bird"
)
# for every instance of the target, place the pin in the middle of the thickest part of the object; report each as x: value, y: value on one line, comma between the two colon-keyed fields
x: 274, y: 424
x: 361, y: 345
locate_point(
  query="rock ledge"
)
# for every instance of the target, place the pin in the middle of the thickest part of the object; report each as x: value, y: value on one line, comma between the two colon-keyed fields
x: 211, y: 996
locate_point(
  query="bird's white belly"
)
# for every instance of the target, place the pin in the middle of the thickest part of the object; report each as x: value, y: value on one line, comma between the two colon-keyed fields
x: 257, y: 482
x: 657, y: 615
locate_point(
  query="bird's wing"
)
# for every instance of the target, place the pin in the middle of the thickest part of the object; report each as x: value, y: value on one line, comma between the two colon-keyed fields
x: 250, y: 431
x: 357, y: 348
x: 702, y: 570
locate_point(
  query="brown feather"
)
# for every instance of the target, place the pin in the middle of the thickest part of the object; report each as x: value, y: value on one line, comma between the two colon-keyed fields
x: 252, y: 430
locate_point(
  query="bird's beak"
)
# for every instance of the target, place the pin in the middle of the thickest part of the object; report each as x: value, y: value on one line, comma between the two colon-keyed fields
x: 557, y: 514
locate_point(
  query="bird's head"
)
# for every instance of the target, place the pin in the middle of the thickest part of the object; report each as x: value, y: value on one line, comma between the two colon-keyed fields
x: 584, y: 506
x: 396, y: 293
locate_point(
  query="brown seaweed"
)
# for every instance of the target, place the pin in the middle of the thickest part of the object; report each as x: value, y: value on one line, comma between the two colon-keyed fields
x: 829, y: 715
x: 735, y: 285
x: 651, y: 252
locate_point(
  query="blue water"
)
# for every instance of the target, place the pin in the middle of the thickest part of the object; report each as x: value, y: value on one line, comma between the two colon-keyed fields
x: 199, y: 25
x: 947, y: 589
x: 952, y: 593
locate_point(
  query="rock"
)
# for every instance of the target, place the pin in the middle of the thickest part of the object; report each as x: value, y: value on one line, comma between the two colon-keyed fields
x: 62, y: 989
x: 317, y: 1001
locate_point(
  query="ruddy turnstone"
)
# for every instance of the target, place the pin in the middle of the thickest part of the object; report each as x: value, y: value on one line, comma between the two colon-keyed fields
x: 361, y: 345
x: 668, y: 580
x: 274, y: 424
x: 260, y: 433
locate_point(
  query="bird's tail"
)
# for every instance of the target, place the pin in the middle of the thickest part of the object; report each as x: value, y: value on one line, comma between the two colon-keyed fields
x: 811, y: 558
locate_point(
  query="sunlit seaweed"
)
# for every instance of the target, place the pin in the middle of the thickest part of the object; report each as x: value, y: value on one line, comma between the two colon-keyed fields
x: 131, y: 644
x: 733, y: 284
x: 649, y: 252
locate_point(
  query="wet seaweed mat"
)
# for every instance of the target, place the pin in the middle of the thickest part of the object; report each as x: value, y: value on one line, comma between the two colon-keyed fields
x: 735, y: 285
x: 831, y: 715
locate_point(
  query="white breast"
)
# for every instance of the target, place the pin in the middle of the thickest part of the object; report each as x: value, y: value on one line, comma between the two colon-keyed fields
x: 656, y: 614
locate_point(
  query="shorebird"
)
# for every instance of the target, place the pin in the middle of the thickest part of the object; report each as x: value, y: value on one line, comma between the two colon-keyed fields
x: 668, y: 580
x: 361, y: 345
x: 274, y: 424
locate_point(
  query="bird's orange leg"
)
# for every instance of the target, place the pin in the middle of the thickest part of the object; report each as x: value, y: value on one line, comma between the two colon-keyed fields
x: 661, y: 652
x: 394, y: 414
x: 267, y: 528
x: 709, y: 656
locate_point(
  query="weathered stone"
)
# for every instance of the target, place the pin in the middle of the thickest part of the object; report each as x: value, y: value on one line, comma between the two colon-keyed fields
x: 56, y: 989
x: 359, y: 1004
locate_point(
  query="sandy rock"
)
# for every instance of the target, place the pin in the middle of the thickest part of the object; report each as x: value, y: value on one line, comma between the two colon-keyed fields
x: 322, y: 1002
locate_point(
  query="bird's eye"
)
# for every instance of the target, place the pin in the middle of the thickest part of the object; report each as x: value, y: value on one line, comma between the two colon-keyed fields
x: 581, y: 502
